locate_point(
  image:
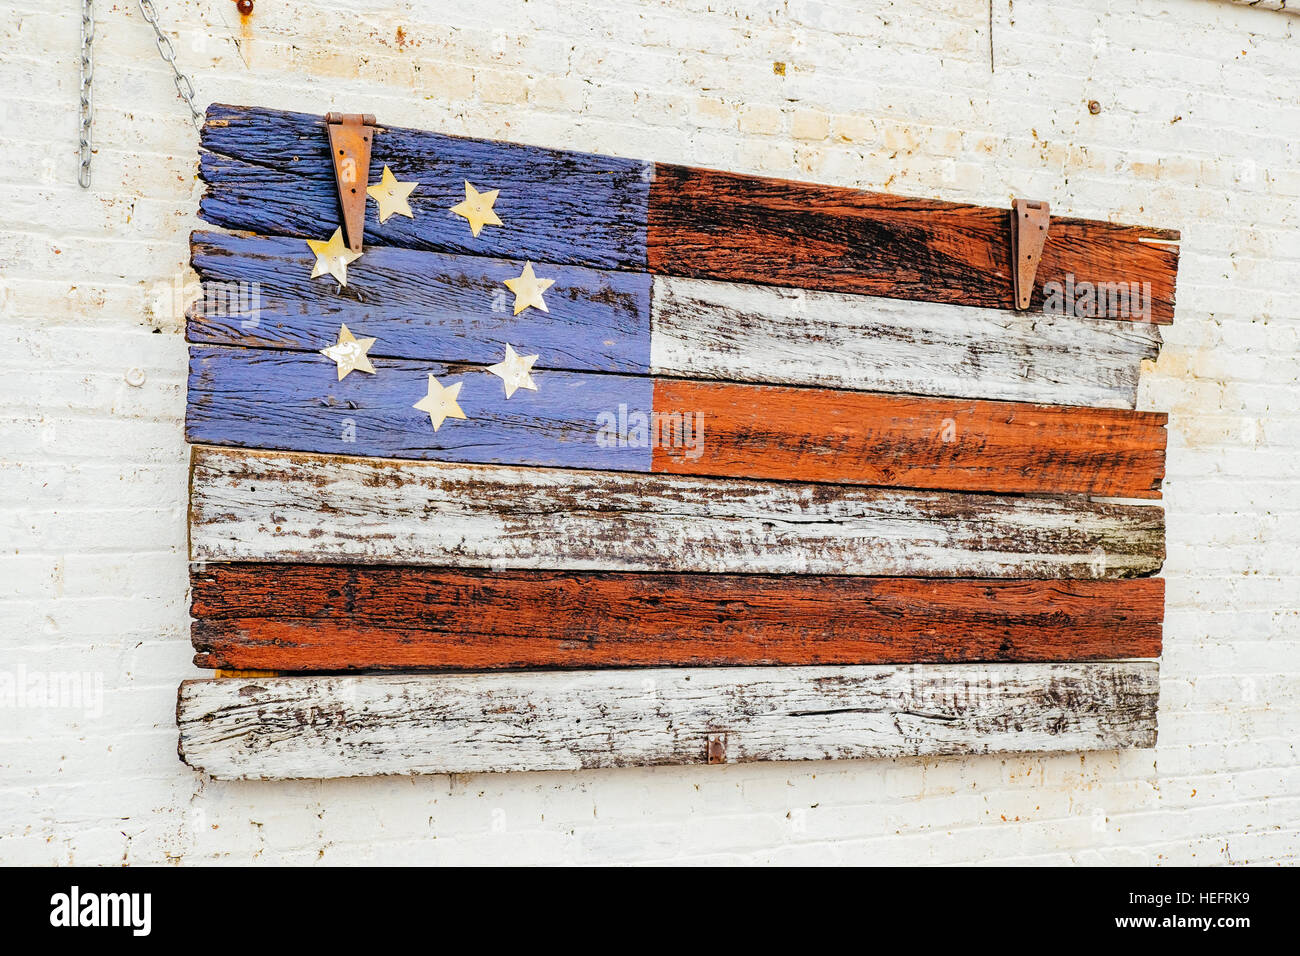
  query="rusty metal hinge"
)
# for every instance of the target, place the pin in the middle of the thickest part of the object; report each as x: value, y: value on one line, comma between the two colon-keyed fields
x: 717, y: 748
x: 1029, y: 221
x: 351, y: 136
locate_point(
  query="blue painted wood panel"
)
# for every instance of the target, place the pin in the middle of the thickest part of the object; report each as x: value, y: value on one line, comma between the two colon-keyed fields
x: 269, y: 171
x: 292, y: 401
x: 258, y: 292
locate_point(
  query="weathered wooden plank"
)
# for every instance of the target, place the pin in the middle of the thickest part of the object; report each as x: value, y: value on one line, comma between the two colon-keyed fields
x: 269, y: 171
x: 307, y: 727
x: 270, y: 506
x: 258, y: 398
x: 767, y: 431
x: 452, y: 308
x: 301, y: 617
x: 417, y: 305
x: 715, y: 225
x: 753, y: 333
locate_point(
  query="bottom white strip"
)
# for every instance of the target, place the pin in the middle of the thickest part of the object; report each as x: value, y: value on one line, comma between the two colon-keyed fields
x: 294, y: 727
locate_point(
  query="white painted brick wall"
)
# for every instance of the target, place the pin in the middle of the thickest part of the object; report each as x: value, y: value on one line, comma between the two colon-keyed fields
x: 1199, y: 129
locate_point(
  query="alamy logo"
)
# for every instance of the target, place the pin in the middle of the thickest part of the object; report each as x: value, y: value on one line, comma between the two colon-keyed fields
x: 1087, y: 300
x: 681, y: 431
x: 23, y: 688
x: 74, y: 908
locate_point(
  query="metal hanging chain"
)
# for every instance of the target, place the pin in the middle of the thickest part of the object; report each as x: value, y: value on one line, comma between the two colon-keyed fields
x: 184, y: 86
x: 87, y: 75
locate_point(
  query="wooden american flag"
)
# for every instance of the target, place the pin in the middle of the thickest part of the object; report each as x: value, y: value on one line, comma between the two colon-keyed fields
x: 788, y: 478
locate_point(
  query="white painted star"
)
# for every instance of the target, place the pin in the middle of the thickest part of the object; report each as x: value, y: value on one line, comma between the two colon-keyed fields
x: 514, y: 371
x: 440, y: 403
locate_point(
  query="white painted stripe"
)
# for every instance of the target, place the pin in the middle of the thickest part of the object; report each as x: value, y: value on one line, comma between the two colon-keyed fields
x: 752, y: 333
x: 283, y: 506
x: 553, y: 720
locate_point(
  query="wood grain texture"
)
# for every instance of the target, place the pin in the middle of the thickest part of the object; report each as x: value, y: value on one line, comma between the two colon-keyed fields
x: 763, y: 431
x: 260, y: 398
x: 716, y: 225
x: 728, y: 331
x: 454, y: 308
x: 340, y: 618
x: 273, y: 506
x: 309, y: 727
x: 417, y: 305
x: 269, y: 172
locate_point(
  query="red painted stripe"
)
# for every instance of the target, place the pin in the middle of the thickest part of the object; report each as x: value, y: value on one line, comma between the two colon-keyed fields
x: 717, y: 225
x: 823, y: 435
x: 331, y: 618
